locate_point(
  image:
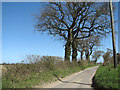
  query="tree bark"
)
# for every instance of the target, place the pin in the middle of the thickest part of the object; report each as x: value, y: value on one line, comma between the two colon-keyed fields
x: 68, y: 46
x: 87, y: 55
x: 67, y: 51
x: 81, y: 55
x: 95, y: 60
x: 74, y: 51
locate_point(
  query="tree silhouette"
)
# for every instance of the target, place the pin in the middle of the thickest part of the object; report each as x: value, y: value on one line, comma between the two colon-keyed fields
x: 88, y: 45
x: 97, y: 55
x: 71, y: 21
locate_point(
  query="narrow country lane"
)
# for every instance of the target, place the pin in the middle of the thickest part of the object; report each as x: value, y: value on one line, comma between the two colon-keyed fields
x: 82, y: 79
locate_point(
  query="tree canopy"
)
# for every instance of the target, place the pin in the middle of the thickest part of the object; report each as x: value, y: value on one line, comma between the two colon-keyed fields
x: 70, y: 21
x: 82, y: 17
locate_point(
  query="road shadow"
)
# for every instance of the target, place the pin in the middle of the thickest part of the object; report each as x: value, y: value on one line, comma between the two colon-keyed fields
x: 93, y: 82
x: 94, y: 85
x: 68, y: 81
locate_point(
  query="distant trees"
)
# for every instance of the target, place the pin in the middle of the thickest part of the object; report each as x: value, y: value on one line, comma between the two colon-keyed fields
x: 88, y: 45
x: 107, y: 56
x: 97, y: 55
x: 73, y: 21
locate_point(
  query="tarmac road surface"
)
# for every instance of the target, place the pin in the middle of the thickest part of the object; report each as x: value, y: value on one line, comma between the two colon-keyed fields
x: 82, y: 79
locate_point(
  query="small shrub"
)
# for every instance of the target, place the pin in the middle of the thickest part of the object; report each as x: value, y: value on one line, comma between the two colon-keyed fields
x: 83, y: 62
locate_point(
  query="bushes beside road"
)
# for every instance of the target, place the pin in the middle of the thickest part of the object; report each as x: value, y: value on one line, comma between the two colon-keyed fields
x: 38, y: 70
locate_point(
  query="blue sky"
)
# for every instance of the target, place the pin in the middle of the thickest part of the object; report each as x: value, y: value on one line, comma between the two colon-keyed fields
x: 19, y: 38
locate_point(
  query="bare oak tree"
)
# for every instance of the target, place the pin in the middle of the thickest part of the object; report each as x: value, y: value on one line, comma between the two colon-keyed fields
x: 97, y: 55
x: 71, y: 21
x: 107, y: 56
x: 89, y: 45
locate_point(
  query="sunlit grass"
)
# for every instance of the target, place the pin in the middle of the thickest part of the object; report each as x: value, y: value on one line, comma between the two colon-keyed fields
x: 107, y: 77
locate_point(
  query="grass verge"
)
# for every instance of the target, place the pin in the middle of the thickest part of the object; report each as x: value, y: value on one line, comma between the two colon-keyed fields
x: 107, y: 77
x: 32, y: 79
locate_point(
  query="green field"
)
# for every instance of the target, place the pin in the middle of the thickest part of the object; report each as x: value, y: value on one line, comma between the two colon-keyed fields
x: 107, y: 77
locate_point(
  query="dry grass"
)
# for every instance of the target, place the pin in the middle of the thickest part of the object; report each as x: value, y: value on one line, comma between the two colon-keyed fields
x: 36, y: 69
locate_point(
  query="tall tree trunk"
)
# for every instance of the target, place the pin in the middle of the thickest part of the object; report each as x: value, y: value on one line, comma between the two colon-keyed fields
x: 68, y: 46
x: 95, y: 60
x: 87, y: 55
x: 74, y: 51
x: 67, y: 51
x: 81, y: 55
